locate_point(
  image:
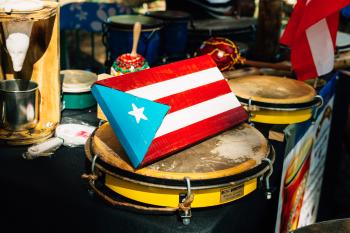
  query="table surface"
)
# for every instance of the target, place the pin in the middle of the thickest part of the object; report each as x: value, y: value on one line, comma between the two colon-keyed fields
x: 48, y: 195
x: 332, y: 226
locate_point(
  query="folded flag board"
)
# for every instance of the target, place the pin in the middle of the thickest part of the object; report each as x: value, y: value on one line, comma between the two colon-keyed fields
x: 161, y: 110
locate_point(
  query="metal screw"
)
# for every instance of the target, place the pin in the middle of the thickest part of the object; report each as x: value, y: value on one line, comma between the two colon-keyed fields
x: 186, y: 221
x: 268, y: 195
x: 91, y: 193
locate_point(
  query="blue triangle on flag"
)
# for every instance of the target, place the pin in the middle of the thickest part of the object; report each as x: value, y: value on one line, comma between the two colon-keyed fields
x: 134, y: 120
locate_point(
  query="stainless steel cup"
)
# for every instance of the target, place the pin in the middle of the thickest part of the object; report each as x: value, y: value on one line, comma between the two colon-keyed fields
x: 19, y: 104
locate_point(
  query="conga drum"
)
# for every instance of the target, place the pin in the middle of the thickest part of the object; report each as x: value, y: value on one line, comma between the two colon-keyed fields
x: 174, y: 32
x: 275, y: 100
x: 219, y: 170
x: 242, y: 30
x: 118, y: 37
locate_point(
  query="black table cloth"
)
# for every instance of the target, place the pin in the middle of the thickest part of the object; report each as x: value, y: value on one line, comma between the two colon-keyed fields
x: 48, y: 195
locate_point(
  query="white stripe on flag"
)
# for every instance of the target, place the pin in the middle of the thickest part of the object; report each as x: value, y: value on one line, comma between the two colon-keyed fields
x: 176, y: 85
x: 321, y: 45
x: 196, y: 113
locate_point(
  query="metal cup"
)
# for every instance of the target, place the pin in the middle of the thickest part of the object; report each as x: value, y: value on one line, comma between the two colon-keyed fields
x: 19, y: 103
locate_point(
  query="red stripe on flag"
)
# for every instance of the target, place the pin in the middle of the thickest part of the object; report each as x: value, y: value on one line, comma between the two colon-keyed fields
x: 182, y: 138
x: 316, y: 10
x: 302, y: 60
x: 132, y: 81
x: 333, y: 22
x: 195, y: 96
x: 292, y: 27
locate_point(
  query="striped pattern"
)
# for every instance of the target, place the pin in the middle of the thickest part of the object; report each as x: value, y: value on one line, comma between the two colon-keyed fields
x: 311, y: 35
x: 201, y: 102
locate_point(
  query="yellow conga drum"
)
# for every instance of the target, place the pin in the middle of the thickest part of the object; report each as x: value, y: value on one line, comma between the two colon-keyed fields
x: 216, y: 171
x: 275, y: 100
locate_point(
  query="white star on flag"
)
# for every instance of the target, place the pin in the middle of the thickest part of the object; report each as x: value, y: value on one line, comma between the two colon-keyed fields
x: 137, y: 113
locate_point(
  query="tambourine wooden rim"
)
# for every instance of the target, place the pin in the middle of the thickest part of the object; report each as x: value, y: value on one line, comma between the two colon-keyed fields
x: 273, y: 83
x: 161, y: 178
x: 49, y: 9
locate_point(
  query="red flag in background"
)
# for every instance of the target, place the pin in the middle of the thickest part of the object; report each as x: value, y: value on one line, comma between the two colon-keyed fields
x: 311, y: 34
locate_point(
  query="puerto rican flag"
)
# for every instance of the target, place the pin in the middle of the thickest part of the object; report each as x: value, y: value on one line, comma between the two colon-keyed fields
x: 159, y: 111
x: 311, y: 35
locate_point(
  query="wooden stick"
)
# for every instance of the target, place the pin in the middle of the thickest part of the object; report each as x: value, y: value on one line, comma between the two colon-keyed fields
x: 342, y: 61
x: 136, y: 37
x: 241, y: 72
x: 276, y: 66
x: 315, y: 82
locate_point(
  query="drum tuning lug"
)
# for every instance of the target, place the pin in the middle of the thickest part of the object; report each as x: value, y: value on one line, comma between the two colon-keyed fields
x: 268, y: 195
x: 320, y: 104
x: 250, y: 114
x: 93, y: 164
x: 268, y: 192
x: 185, y: 204
x: 91, y: 193
x: 186, y: 219
x: 101, y: 122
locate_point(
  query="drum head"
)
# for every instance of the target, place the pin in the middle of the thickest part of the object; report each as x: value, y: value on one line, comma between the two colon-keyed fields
x: 77, y: 81
x: 232, y: 152
x: 169, y: 15
x: 128, y: 21
x: 272, y: 89
x: 230, y: 24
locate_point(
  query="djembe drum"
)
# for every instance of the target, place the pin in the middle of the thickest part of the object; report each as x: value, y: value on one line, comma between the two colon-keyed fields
x: 219, y: 170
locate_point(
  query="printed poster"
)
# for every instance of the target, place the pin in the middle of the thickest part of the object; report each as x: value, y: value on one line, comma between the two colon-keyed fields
x: 302, y: 175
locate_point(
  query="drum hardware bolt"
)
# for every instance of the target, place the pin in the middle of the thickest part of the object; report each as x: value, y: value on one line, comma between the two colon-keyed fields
x: 250, y: 114
x: 185, y: 204
x: 91, y: 179
x: 101, y: 122
x: 268, y: 192
x: 261, y: 180
x: 91, y: 192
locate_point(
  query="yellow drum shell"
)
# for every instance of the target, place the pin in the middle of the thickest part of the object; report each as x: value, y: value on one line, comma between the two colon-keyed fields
x: 212, y: 175
x: 281, y: 117
x: 169, y: 197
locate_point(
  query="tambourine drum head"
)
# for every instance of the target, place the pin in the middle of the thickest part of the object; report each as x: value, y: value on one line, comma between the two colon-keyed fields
x: 277, y: 100
x: 213, y: 166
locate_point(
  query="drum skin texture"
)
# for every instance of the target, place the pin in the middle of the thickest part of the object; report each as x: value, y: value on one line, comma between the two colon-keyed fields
x: 224, y: 52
